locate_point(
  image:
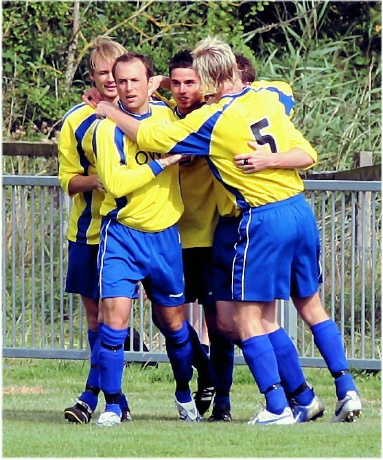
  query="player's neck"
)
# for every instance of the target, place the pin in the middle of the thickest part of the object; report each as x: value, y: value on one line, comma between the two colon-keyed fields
x: 230, y: 88
x: 113, y: 100
x: 186, y: 110
x: 134, y: 111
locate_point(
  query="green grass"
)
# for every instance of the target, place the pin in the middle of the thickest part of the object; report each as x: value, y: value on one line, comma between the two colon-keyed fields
x: 35, y: 392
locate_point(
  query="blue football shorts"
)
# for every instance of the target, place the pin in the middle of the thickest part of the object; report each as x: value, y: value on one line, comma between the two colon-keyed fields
x: 82, y: 274
x: 127, y: 256
x: 197, y: 273
x: 277, y: 253
x: 225, y: 237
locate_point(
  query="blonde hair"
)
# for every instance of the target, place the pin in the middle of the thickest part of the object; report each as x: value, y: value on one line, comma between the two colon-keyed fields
x: 214, y: 62
x: 104, y: 49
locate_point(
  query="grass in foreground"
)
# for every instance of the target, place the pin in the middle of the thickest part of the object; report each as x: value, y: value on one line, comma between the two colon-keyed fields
x: 35, y: 392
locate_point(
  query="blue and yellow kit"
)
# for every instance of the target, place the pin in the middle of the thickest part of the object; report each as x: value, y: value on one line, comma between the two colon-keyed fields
x: 221, y: 130
x: 140, y: 194
x: 198, y: 221
x: 76, y: 158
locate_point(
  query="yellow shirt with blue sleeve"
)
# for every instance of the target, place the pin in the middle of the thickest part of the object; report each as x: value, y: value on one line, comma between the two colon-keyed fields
x: 140, y: 193
x: 282, y: 89
x: 222, y: 130
x: 225, y: 200
x: 75, y: 157
x: 197, y: 223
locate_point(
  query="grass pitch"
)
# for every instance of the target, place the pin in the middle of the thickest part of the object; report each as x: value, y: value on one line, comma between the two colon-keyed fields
x: 35, y: 392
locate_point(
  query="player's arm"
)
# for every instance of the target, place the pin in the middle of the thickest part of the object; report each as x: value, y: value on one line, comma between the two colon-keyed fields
x: 72, y: 175
x: 70, y: 168
x: 81, y: 184
x: 119, y: 179
x: 184, y: 137
x: 262, y: 158
x: 127, y: 123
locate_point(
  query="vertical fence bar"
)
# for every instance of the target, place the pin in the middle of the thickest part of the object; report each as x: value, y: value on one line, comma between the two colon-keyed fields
x: 22, y: 258
x: 61, y: 274
x: 141, y: 331
x: 13, y: 252
x: 352, y: 268
x: 42, y: 273
x: 362, y: 197
x: 4, y: 272
x: 51, y: 265
x: 333, y: 273
x: 131, y: 322
x: 374, y: 251
x: 70, y: 321
x: 33, y: 269
x: 342, y: 265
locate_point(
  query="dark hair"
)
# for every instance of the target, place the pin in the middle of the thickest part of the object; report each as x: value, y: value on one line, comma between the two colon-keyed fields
x: 181, y: 60
x: 129, y: 57
x: 246, y: 69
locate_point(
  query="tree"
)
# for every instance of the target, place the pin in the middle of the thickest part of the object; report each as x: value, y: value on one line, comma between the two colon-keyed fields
x: 45, y: 45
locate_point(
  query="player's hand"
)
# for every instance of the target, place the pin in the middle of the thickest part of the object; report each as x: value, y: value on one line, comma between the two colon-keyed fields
x: 255, y: 161
x: 95, y: 183
x: 158, y: 81
x: 91, y: 97
x: 99, y: 184
x: 103, y: 109
x: 170, y: 160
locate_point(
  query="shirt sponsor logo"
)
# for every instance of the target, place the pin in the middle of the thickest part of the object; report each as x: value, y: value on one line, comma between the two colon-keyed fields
x: 144, y: 157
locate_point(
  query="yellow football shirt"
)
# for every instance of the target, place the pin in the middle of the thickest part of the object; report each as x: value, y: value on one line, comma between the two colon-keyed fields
x: 197, y: 224
x: 75, y: 157
x: 140, y: 194
x: 222, y: 130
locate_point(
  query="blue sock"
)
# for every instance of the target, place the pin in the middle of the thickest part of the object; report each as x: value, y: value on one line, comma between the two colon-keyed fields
x: 89, y: 398
x: 260, y: 357
x: 289, y: 368
x: 201, y: 359
x: 123, y: 402
x: 328, y: 340
x: 113, y: 408
x: 180, y: 353
x: 92, y: 388
x: 93, y: 379
x: 222, y: 363
x: 111, y: 359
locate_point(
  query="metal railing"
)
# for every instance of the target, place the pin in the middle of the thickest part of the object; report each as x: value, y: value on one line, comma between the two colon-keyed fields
x: 40, y: 320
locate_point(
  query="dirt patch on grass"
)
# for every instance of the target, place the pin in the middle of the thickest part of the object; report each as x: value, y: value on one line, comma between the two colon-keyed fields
x: 23, y: 390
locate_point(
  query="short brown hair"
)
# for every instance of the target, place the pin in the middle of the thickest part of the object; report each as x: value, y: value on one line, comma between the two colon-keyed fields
x: 129, y: 57
x: 246, y: 69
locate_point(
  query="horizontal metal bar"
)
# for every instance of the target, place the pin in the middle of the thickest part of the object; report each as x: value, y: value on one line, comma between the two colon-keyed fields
x: 344, y: 185
x: 31, y: 180
x: 331, y: 185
